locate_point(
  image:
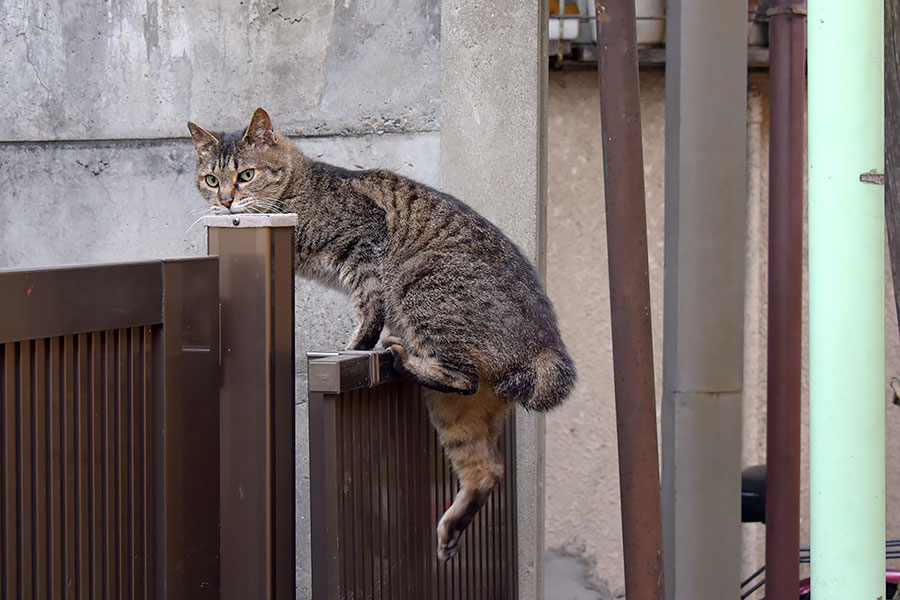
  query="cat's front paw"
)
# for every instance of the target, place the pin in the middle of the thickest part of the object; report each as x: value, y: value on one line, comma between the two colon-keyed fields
x: 396, y: 345
x: 397, y: 348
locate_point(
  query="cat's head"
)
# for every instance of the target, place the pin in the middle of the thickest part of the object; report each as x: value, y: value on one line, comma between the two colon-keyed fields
x: 244, y: 171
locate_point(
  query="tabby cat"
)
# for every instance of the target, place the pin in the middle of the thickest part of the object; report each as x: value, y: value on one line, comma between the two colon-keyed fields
x: 466, y: 312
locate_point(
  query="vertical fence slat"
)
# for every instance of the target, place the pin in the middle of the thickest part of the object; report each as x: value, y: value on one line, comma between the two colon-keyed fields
x: 40, y: 467
x: 97, y: 467
x: 69, y: 466
x: 124, y: 401
x: 26, y: 464
x: 86, y: 499
x: 149, y: 426
x: 55, y: 475
x: 9, y: 530
x: 135, y: 460
x: 109, y: 464
x: 347, y: 544
x: 384, y: 586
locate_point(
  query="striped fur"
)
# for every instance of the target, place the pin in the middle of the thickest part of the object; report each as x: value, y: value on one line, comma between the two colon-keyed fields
x: 466, y: 311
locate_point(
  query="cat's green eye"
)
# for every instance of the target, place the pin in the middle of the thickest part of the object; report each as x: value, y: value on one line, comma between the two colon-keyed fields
x: 246, y: 175
x: 212, y: 181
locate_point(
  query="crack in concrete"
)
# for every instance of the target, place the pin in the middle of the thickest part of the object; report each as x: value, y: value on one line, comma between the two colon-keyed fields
x: 291, y: 20
x: 30, y: 61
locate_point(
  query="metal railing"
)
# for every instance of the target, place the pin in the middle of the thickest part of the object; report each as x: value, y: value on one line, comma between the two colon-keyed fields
x: 379, y: 483
x: 109, y: 431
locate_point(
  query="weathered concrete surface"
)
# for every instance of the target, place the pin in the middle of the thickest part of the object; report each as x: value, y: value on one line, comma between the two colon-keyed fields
x: 493, y: 156
x: 81, y: 202
x: 129, y: 70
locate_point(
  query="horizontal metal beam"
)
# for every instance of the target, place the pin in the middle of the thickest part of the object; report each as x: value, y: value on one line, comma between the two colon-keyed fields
x: 335, y: 373
x: 39, y: 303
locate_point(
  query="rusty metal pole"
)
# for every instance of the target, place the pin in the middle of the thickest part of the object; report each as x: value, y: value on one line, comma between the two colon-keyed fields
x: 626, y: 234
x: 787, y: 73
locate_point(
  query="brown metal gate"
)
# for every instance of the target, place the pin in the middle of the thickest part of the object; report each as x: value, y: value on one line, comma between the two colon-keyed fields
x: 379, y: 483
x: 109, y: 454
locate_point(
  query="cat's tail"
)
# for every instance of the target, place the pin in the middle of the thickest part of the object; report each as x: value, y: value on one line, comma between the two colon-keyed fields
x: 540, y: 385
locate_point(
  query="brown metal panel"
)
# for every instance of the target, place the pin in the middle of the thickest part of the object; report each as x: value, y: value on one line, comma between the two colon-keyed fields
x: 41, y: 469
x: 9, y: 530
x: 325, y: 444
x: 257, y: 408
x: 368, y: 502
x: 245, y: 411
x: 188, y: 517
x: 284, y: 429
x: 42, y: 303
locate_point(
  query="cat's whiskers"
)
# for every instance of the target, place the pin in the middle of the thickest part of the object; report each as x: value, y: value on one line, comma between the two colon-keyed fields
x: 266, y: 204
x: 202, y: 211
x: 200, y: 218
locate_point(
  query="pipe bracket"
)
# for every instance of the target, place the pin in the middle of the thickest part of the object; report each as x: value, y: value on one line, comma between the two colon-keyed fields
x: 872, y: 177
x: 798, y: 8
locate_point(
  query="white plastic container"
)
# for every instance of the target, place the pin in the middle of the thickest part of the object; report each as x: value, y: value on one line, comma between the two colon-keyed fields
x: 568, y: 30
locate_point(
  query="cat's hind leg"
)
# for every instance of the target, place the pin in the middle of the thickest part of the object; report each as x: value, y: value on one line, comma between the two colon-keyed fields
x: 433, y: 372
x: 468, y: 428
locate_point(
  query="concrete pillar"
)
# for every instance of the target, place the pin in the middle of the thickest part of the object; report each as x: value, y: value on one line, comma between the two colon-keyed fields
x: 494, y: 158
x: 706, y: 192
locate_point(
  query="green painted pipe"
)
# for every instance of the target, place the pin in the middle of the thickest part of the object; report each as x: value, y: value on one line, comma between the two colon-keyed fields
x: 846, y: 299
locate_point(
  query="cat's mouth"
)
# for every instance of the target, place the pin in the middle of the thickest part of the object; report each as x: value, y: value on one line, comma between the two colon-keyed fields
x: 241, y: 206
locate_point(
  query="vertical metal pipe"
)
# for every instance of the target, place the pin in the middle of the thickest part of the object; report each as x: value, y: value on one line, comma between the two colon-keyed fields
x: 846, y: 290
x: 892, y: 140
x: 626, y: 232
x: 787, y: 64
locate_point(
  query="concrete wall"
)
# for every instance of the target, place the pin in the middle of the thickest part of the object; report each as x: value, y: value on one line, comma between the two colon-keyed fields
x: 583, y: 534
x: 95, y: 159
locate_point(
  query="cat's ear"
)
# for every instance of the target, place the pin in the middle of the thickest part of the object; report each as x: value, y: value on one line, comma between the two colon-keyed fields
x: 260, y: 132
x: 205, y: 142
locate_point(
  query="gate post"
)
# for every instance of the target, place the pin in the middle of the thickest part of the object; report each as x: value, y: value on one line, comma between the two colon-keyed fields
x: 256, y: 275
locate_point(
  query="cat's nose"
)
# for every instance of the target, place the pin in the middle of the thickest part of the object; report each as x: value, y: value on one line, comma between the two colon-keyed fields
x: 225, y: 201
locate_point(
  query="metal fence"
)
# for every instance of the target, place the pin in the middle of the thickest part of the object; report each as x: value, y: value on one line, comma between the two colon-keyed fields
x: 379, y: 483
x: 109, y: 431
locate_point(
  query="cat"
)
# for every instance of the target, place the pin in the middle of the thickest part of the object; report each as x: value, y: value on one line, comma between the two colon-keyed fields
x: 467, y: 315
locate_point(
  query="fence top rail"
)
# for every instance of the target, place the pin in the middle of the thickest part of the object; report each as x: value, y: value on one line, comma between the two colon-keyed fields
x: 66, y: 300
x: 339, y: 372
x: 251, y: 220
